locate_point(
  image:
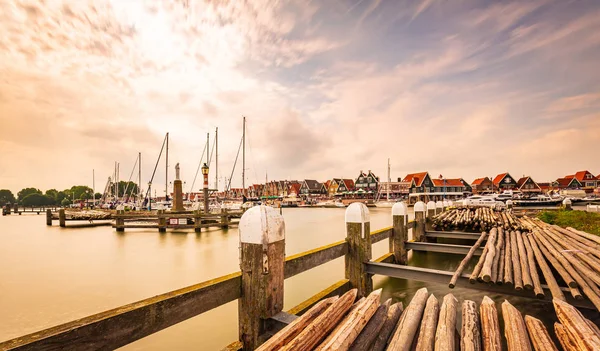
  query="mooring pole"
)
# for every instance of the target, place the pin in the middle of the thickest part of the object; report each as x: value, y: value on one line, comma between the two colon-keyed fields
x: 430, y: 209
x: 399, y: 232
x: 62, y: 217
x: 262, y: 256
x: 49, y: 217
x: 358, y: 237
x: 419, y: 230
x: 439, y: 207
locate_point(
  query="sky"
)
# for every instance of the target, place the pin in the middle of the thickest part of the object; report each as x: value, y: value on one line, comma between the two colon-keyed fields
x: 459, y: 88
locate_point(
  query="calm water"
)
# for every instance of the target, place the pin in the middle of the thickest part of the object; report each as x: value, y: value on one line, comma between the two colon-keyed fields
x: 51, y: 275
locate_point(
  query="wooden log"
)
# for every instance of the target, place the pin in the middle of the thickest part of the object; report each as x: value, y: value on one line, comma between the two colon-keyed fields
x: 399, y: 232
x: 500, y: 273
x: 497, y: 257
x: 535, y: 279
x: 540, y: 339
x: 391, y: 320
x: 490, y: 327
x: 470, y: 331
x: 593, y: 326
x: 286, y: 334
x: 478, y: 266
x: 563, y: 337
x: 546, y: 272
x: 466, y: 260
x: 515, y: 330
x: 576, y: 326
x: 368, y: 335
x: 407, y: 327
x: 352, y: 324
x: 525, y: 275
x: 588, y: 236
x: 516, y: 263
x: 486, y: 270
x: 446, y: 328
x: 316, y: 331
x: 426, y: 339
x: 508, y: 269
x: 555, y: 258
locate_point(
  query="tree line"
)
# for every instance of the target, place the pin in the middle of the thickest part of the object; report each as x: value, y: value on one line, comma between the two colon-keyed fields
x: 35, y: 197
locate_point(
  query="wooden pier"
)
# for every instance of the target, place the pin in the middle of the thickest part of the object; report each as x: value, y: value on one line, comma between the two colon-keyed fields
x: 15, y: 209
x: 258, y: 287
x: 160, y: 220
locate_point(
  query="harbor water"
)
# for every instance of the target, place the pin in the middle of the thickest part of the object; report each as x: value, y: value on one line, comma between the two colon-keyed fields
x: 52, y: 275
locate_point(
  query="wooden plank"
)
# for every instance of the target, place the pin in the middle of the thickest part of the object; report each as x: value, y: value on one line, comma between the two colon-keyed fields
x: 123, y: 325
x: 381, y: 234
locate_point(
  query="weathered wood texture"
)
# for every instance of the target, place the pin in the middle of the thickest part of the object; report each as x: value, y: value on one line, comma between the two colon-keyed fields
x: 566, y: 342
x: 391, y: 320
x: 398, y: 238
x: 486, y: 270
x: 490, y: 327
x: 515, y: 330
x: 516, y: 262
x: 419, y: 230
x: 508, y: 268
x: 526, y: 276
x: 466, y: 260
x: 540, y: 339
x: 118, y: 327
x: 426, y: 339
x: 535, y: 279
x: 446, y: 328
x: 546, y: 272
x: 370, y: 332
x: 316, y: 331
x: 576, y: 326
x: 407, y: 327
x: 291, y: 330
x: 470, y: 330
x: 359, y: 252
x: 262, y: 284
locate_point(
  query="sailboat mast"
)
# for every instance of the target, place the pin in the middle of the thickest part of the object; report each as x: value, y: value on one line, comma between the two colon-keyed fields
x: 167, y: 170
x: 389, y: 181
x: 140, y: 177
x: 217, y: 159
x: 244, y: 157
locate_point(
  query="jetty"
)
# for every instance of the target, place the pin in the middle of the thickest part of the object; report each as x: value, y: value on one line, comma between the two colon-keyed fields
x: 15, y: 209
x: 159, y: 219
x: 258, y: 286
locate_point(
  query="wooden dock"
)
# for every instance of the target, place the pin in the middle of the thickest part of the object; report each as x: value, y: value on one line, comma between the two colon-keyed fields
x: 258, y: 287
x: 15, y: 209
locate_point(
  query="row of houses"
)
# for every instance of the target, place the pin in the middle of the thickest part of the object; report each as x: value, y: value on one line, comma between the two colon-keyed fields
x: 367, y: 184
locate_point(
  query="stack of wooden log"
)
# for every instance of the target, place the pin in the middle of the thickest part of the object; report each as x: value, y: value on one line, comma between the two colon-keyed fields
x: 85, y: 215
x: 474, y: 219
x: 338, y: 324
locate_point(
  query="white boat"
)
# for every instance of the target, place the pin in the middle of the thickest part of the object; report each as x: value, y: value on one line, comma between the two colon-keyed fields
x: 330, y: 204
x: 387, y: 203
x: 478, y: 200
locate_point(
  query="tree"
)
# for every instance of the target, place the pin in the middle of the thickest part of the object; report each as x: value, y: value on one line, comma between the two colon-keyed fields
x: 79, y: 192
x: 65, y: 202
x: 98, y: 196
x: 6, y: 197
x: 131, y: 187
x: 36, y: 199
x: 53, y: 195
x: 27, y: 191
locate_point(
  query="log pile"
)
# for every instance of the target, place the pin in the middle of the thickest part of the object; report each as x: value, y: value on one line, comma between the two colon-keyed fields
x: 477, y: 219
x: 428, y: 324
x: 84, y: 215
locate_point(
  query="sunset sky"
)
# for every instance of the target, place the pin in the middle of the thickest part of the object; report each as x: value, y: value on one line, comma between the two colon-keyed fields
x: 460, y: 88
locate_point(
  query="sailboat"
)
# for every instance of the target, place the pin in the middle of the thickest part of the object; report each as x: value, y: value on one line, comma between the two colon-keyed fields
x: 387, y: 203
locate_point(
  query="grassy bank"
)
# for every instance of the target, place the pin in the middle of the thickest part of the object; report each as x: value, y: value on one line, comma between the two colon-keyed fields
x: 586, y: 221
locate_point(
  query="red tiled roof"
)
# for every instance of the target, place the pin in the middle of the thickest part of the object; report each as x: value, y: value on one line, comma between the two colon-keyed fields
x: 499, y: 177
x: 448, y: 182
x: 327, y: 183
x: 349, y: 183
x: 581, y: 175
x: 564, y: 182
x: 570, y: 176
x: 417, y: 177
x: 521, y: 181
x: 478, y: 181
x: 295, y: 187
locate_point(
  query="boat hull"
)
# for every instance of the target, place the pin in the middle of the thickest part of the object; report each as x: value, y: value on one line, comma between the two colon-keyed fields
x: 525, y: 203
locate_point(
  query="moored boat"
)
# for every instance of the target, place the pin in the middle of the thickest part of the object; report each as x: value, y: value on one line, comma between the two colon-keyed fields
x: 540, y: 201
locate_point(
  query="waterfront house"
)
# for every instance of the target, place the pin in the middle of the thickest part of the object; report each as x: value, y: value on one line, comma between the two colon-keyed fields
x: 255, y: 191
x: 588, y: 181
x: 294, y: 189
x: 312, y: 187
x: 568, y: 182
x: 420, y: 188
x: 345, y: 185
x: 396, y: 190
x: 481, y: 185
x: 450, y: 187
x: 504, y: 181
x: 332, y: 186
x: 528, y: 185
x: 367, y: 183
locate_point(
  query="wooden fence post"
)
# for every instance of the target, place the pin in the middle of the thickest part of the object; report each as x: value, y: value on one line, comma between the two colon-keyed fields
x: 399, y: 232
x: 439, y: 207
x: 430, y: 209
x: 262, y: 257
x: 49, y: 217
x: 162, y: 221
x: 16, y: 208
x: 62, y: 218
x: 224, y: 218
x: 197, y: 221
x: 358, y: 236
x: 419, y: 230
x: 120, y: 221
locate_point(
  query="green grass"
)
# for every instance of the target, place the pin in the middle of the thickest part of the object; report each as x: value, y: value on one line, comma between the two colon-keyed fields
x: 586, y: 221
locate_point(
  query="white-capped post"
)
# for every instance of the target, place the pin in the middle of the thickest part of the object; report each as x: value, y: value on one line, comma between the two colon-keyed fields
x: 567, y: 204
x: 430, y: 209
x: 439, y: 207
x: 262, y: 257
x: 358, y: 237
x: 419, y: 231
x: 399, y: 232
